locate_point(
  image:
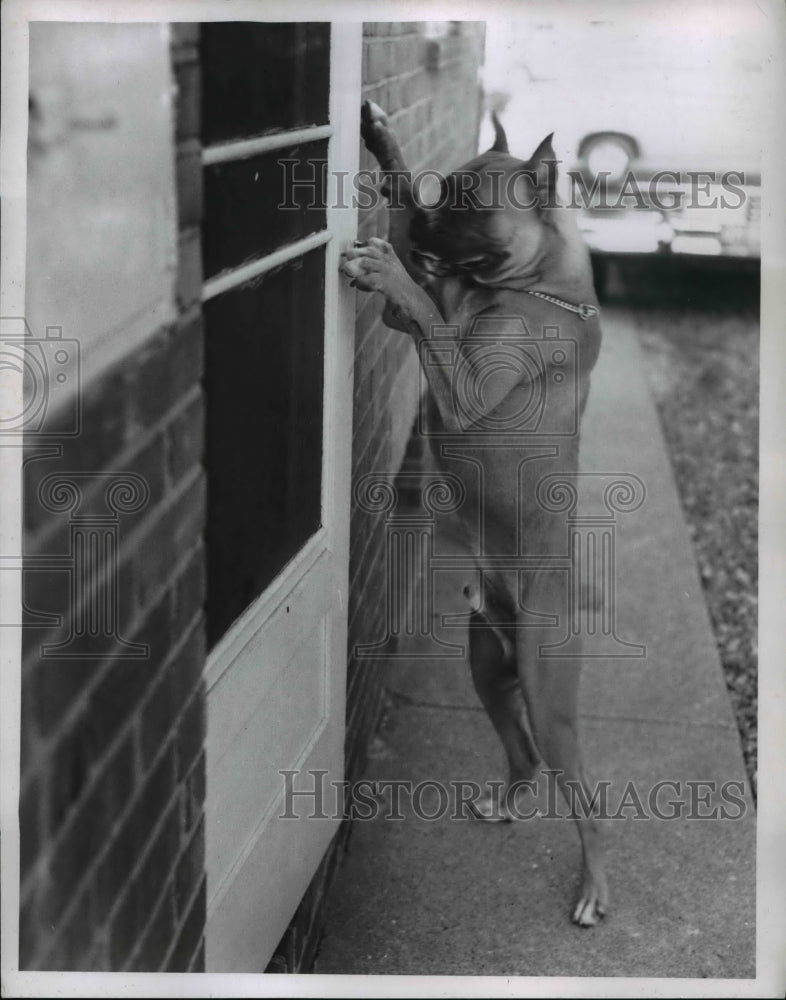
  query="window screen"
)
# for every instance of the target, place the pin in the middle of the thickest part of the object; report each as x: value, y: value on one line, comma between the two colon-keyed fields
x: 265, y: 337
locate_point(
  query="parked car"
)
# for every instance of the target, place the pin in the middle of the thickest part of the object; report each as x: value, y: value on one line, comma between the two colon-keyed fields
x: 634, y: 95
x: 633, y: 205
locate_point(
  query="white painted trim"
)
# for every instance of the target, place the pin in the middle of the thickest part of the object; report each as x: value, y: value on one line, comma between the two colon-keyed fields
x: 241, y: 149
x: 240, y: 275
x: 242, y: 631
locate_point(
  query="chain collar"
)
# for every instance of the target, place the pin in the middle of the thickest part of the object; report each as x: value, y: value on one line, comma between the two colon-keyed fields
x: 583, y: 311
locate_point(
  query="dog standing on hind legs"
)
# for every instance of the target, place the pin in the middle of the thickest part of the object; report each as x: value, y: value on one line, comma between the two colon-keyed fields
x: 497, y: 249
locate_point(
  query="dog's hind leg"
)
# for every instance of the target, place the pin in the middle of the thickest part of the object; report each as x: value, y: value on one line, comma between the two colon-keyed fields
x: 551, y: 687
x: 493, y: 666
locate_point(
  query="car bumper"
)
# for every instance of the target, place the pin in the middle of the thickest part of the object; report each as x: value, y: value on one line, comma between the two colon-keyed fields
x: 644, y: 233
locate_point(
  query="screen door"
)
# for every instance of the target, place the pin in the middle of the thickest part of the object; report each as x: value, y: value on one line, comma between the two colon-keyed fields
x: 280, y: 108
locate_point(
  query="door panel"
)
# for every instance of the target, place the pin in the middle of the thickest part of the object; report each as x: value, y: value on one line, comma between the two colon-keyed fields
x: 249, y: 747
x: 245, y: 682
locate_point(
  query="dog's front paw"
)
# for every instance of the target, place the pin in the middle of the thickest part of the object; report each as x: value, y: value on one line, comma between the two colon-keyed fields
x: 375, y: 267
x: 593, y: 903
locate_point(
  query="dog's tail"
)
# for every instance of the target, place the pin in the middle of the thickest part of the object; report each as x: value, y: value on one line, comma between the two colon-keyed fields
x: 500, y: 139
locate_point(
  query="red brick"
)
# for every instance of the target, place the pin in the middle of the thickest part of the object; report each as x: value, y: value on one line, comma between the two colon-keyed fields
x: 156, y: 939
x: 172, y: 535
x: 198, y: 961
x: 53, y: 529
x: 378, y: 61
x: 87, y: 832
x: 68, y: 769
x: 190, y: 591
x: 155, y: 630
x: 50, y: 688
x: 191, y: 934
x: 172, y: 692
x: 74, y: 939
x: 188, y: 872
x: 127, y: 845
x: 185, y: 437
x: 130, y: 920
x: 148, y: 463
x: 100, y: 403
x: 30, y: 932
x: 167, y: 369
x: 190, y: 735
x: 31, y: 822
x: 160, y: 858
x: 114, y: 701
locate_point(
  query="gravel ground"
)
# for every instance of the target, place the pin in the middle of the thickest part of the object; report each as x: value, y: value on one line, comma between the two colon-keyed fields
x: 701, y: 343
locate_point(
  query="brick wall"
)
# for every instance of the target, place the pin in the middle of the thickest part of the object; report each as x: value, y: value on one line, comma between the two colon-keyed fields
x: 430, y: 89
x: 113, y: 771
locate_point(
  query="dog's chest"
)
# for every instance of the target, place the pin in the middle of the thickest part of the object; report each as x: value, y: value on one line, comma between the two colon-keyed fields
x: 460, y: 301
x: 533, y: 432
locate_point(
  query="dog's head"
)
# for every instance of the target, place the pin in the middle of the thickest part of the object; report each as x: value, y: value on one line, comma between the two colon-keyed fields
x: 493, y: 220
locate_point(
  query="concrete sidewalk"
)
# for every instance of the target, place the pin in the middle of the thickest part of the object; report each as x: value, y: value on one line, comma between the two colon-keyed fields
x: 468, y: 898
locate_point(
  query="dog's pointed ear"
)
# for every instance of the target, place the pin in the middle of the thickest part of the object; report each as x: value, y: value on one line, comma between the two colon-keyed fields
x: 500, y: 139
x: 543, y: 163
x: 544, y: 153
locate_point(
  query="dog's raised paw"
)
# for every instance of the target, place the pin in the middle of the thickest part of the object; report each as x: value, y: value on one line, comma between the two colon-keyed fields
x: 373, y: 123
x: 375, y: 132
x: 372, y: 113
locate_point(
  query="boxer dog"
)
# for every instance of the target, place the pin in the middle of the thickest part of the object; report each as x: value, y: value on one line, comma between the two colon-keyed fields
x: 497, y: 250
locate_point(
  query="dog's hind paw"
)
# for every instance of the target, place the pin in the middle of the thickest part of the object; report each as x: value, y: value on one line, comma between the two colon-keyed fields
x: 489, y: 809
x: 593, y: 904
